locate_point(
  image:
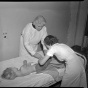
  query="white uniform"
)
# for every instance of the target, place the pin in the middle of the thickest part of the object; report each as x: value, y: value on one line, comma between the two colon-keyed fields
x: 33, y: 37
x: 74, y: 75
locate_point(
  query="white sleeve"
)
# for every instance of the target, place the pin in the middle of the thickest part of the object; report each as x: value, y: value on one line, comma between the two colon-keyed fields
x: 26, y: 40
x: 42, y: 40
x: 51, y: 51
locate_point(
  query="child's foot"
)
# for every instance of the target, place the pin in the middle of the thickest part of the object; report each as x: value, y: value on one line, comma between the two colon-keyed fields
x: 25, y: 62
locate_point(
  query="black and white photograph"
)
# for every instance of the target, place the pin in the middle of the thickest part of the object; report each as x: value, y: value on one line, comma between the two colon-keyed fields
x: 44, y: 44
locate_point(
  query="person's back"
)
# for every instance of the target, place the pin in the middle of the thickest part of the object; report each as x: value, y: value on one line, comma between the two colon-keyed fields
x: 75, y: 72
x: 74, y: 66
x: 63, y: 51
x: 74, y: 75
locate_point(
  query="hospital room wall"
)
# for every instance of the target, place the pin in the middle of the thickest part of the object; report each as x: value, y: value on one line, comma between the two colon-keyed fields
x: 14, y: 19
x: 79, y: 11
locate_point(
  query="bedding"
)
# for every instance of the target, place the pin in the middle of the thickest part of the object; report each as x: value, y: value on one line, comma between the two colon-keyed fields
x: 32, y: 80
x: 45, y: 78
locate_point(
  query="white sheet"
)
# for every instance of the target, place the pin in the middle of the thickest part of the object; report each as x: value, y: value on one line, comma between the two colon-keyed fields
x: 32, y: 80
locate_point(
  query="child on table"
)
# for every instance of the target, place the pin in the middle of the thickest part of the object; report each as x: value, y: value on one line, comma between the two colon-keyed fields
x: 11, y: 73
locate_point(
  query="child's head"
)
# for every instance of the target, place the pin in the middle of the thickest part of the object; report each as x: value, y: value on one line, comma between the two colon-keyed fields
x: 39, y: 22
x: 9, y: 73
x: 50, y: 40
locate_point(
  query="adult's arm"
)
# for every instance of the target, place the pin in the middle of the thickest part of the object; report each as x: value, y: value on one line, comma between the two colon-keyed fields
x: 27, y: 43
x: 26, y: 40
x: 49, y: 54
x: 37, y: 55
x: 43, y: 61
x: 42, y: 41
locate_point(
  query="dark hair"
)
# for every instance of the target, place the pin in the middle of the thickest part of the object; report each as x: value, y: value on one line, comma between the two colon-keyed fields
x: 50, y: 40
x: 7, y: 73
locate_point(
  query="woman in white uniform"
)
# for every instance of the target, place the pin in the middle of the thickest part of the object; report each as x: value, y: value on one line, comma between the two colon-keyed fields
x: 74, y: 75
x: 32, y: 34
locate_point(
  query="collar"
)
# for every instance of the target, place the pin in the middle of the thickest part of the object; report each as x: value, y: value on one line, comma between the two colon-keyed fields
x: 33, y: 25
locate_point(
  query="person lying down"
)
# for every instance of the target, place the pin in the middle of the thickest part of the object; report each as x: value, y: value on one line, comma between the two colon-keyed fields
x: 11, y: 73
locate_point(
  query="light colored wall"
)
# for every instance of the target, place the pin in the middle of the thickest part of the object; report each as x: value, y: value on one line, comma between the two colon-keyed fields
x: 81, y: 24
x: 0, y: 40
x: 15, y: 16
x: 77, y: 24
x: 73, y: 24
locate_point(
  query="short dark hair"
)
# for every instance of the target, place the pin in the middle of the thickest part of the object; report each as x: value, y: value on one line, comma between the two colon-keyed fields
x: 50, y: 40
x: 7, y: 72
